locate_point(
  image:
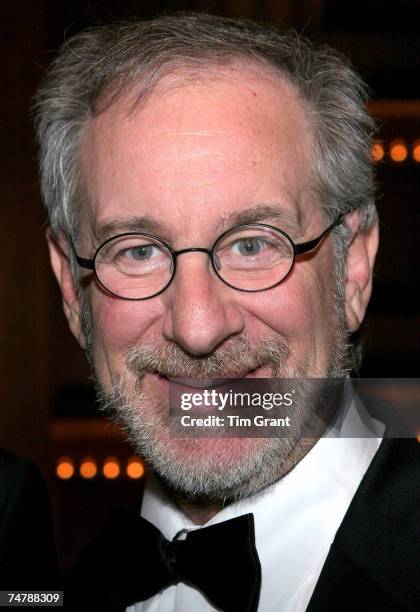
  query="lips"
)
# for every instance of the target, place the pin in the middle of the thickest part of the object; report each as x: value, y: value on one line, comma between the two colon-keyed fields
x: 204, y: 383
x: 219, y: 381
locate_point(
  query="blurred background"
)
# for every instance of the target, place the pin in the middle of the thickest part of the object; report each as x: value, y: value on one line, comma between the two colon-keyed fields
x: 48, y: 408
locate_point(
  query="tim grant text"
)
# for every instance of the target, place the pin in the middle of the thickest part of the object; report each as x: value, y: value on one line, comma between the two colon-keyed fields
x: 234, y: 421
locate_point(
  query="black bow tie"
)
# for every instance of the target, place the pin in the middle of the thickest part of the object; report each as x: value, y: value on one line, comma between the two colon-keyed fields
x: 133, y: 561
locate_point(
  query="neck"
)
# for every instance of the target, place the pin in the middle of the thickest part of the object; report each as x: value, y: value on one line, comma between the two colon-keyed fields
x: 199, y: 514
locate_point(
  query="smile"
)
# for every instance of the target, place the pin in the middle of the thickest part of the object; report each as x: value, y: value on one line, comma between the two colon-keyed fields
x: 263, y: 371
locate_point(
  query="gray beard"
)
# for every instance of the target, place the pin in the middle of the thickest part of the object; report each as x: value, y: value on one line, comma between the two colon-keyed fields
x: 207, y: 471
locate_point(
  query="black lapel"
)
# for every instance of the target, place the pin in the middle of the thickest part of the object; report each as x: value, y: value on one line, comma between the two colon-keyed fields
x: 373, y: 563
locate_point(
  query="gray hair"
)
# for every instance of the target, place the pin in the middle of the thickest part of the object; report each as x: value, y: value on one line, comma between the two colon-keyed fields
x: 98, y: 65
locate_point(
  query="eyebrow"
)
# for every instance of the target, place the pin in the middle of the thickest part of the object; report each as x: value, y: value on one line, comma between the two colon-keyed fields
x: 263, y: 213
x: 123, y: 225
x: 258, y: 213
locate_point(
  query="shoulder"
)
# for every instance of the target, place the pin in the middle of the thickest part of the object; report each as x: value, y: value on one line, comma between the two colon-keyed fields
x: 27, y: 550
x: 373, y: 561
x: 16, y: 475
x: 380, y: 530
x: 390, y: 486
x: 11, y: 464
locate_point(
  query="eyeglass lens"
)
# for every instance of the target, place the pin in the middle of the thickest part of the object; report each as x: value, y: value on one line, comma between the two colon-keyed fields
x: 250, y: 258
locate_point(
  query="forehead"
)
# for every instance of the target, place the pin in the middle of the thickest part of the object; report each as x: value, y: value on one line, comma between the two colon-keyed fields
x: 197, y: 151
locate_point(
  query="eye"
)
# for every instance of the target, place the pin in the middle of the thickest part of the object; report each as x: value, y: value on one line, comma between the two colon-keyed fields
x: 253, y: 249
x: 249, y: 246
x: 134, y: 255
x: 142, y: 252
x: 147, y: 257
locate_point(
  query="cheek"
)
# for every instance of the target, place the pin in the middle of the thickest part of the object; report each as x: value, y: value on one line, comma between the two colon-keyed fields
x: 118, y: 326
x: 300, y: 309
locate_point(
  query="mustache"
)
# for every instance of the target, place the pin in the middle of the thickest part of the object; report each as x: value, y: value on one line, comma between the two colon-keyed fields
x: 236, y: 357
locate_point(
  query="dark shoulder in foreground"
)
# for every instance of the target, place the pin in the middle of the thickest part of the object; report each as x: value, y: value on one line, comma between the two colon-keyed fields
x: 28, y: 559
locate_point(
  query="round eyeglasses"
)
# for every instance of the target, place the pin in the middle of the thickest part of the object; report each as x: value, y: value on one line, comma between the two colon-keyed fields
x: 249, y: 257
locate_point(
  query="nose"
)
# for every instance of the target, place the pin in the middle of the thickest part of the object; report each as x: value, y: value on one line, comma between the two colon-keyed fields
x: 200, y: 311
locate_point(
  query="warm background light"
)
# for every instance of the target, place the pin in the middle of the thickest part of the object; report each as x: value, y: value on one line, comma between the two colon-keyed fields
x: 88, y: 468
x: 416, y: 150
x: 377, y: 152
x: 398, y: 150
x: 65, y: 468
x: 135, y: 468
x: 111, y: 468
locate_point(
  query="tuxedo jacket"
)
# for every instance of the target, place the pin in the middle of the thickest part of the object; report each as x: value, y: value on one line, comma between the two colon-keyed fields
x: 373, y: 563
x: 28, y: 559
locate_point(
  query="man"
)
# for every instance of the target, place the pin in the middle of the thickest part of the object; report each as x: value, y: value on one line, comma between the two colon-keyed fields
x: 211, y: 204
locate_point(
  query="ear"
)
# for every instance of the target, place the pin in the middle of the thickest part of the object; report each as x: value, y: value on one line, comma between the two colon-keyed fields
x: 60, y: 264
x: 361, y: 255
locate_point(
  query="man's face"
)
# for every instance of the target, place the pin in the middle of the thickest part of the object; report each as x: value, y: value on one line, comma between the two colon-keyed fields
x: 197, y: 157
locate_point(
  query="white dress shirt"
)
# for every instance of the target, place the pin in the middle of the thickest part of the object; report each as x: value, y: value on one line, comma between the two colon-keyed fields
x: 296, y: 518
